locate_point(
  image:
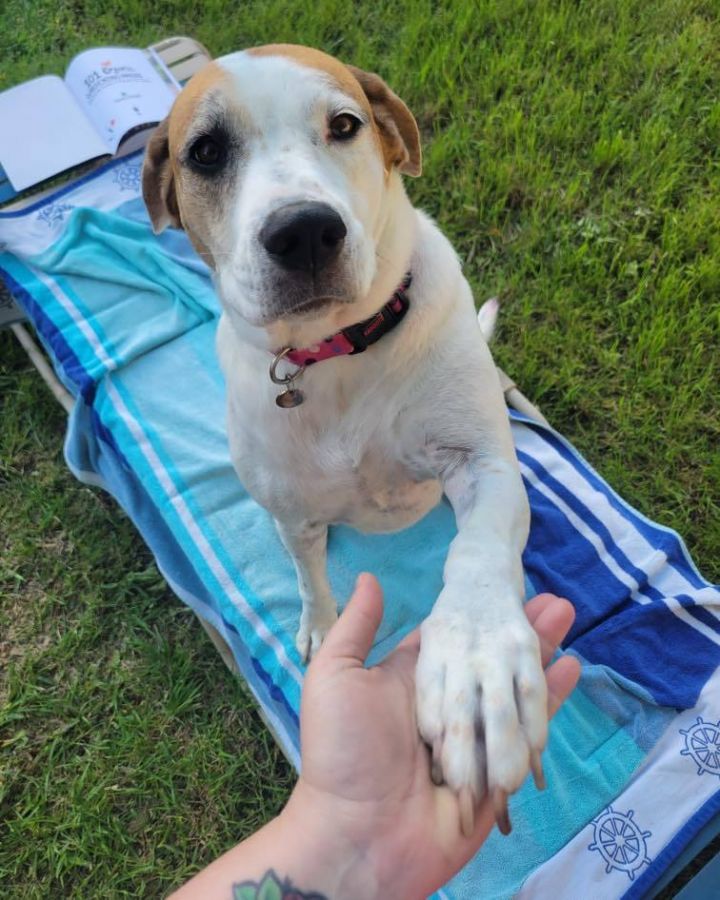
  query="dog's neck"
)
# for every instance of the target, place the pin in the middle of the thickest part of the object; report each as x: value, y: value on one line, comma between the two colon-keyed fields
x: 395, y: 240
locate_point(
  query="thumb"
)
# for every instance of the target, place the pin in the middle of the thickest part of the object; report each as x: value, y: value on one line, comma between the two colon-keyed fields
x: 351, y: 637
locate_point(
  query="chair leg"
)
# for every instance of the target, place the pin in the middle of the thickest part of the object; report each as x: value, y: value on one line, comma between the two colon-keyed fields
x: 221, y: 645
x: 515, y: 398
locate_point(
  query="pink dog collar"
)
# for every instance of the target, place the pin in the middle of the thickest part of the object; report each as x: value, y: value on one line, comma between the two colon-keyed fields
x: 356, y: 338
x: 351, y: 340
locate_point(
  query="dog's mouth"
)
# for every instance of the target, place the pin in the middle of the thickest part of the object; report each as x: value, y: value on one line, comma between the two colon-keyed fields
x: 315, y: 304
x: 312, y: 308
x: 273, y: 299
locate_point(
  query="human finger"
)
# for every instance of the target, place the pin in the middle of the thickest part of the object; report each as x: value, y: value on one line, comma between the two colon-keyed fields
x: 551, y: 617
x: 351, y: 637
x: 562, y: 677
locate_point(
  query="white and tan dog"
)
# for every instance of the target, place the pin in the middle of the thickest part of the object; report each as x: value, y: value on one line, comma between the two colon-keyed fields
x: 284, y: 167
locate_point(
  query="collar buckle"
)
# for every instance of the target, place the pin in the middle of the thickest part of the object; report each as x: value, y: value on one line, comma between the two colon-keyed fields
x: 366, y: 333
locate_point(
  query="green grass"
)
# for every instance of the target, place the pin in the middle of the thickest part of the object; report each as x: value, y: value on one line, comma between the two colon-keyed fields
x: 129, y: 756
x: 571, y: 153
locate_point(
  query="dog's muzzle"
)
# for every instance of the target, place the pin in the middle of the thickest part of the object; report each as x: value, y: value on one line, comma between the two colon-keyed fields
x: 303, y: 237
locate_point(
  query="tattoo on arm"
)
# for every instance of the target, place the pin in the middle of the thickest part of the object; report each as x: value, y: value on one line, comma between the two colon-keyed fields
x: 271, y: 888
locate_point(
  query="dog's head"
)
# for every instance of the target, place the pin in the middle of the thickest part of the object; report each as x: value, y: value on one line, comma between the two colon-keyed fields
x: 279, y: 162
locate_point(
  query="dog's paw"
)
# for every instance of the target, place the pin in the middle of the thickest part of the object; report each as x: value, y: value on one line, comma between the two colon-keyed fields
x: 482, y: 708
x: 311, y: 633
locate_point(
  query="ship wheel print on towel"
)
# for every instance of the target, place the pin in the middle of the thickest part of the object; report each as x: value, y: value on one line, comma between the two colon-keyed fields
x: 702, y: 745
x: 620, y: 842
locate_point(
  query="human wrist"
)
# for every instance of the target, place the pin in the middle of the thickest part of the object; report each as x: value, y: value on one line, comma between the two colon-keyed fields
x: 334, y: 851
x: 303, y: 852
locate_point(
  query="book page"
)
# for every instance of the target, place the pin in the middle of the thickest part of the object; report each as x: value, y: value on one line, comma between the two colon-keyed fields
x: 43, y: 131
x: 119, y: 90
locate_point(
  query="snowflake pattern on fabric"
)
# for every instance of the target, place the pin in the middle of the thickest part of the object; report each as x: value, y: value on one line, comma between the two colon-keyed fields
x: 127, y: 176
x: 54, y: 213
x: 702, y: 745
x: 620, y: 842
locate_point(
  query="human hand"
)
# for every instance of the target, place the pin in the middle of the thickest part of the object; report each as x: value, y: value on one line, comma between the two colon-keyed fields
x: 366, y: 775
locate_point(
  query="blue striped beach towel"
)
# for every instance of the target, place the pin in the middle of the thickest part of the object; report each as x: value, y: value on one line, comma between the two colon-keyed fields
x: 633, y: 762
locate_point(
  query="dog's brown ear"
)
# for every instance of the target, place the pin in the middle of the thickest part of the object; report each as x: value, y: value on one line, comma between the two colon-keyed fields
x: 397, y: 126
x: 158, y: 182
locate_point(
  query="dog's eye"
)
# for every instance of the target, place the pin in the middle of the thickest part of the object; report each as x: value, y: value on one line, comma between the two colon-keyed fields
x: 207, y: 153
x: 344, y: 126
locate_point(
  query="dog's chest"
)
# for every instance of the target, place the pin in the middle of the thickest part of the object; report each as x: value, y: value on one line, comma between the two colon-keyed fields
x: 368, y: 474
x: 379, y: 491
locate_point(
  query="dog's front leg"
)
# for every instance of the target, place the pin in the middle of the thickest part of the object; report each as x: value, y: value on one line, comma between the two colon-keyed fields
x: 306, y: 542
x: 481, y: 694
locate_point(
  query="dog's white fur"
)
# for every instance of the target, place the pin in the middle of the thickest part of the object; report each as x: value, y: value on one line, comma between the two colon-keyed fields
x: 381, y: 435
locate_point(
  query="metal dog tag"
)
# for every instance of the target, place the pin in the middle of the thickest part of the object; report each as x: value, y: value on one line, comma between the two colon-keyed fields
x: 290, y: 398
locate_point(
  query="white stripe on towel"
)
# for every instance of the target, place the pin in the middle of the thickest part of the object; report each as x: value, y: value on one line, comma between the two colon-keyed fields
x: 591, y: 535
x: 661, y: 575
x: 186, y: 517
x: 179, y: 504
x: 76, y: 315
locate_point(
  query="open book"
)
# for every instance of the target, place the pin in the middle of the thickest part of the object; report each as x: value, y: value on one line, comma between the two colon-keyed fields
x: 177, y: 59
x: 104, y: 106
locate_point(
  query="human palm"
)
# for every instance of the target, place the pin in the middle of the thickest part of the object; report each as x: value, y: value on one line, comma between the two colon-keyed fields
x: 364, y: 764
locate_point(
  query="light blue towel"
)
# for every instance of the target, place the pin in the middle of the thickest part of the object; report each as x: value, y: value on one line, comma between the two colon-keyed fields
x: 129, y: 321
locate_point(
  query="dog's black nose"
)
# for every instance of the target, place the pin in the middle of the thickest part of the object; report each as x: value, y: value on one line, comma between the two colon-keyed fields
x: 303, y: 236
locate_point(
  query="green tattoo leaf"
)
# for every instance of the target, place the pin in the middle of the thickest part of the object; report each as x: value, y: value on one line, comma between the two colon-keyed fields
x: 271, y: 888
x: 245, y: 892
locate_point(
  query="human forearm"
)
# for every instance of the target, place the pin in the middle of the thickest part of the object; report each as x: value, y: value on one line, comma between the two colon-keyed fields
x: 301, y: 851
